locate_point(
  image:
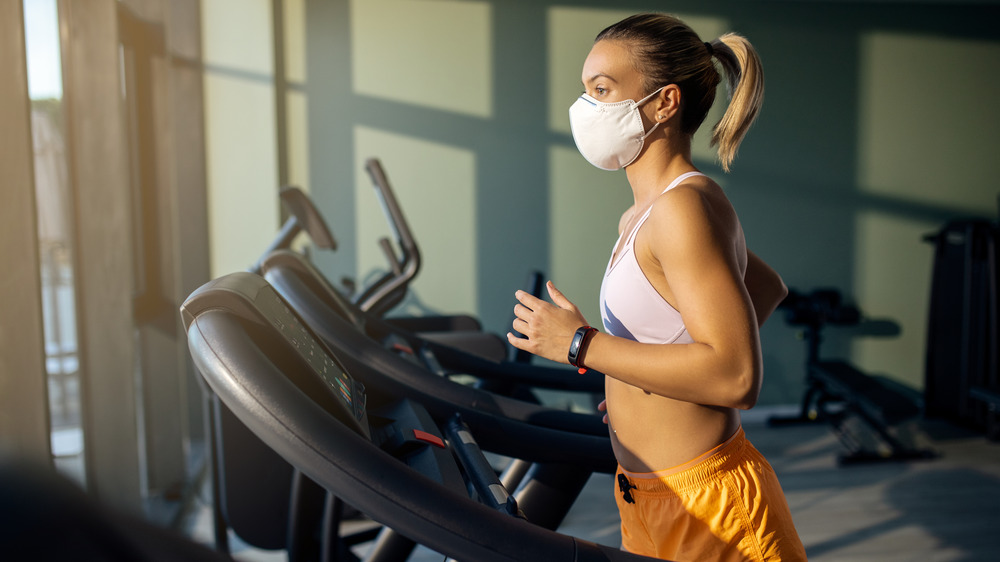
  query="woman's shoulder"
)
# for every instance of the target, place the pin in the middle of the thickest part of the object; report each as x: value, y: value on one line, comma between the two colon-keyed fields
x: 690, y: 195
x: 696, y: 202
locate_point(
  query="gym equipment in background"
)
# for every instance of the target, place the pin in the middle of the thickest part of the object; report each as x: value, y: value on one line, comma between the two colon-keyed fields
x: 390, y: 288
x: 840, y: 394
x: 302, y: 217
x: 285, y: 513
x: 962, y: 376
x: 385, y: 357
x: 309, y: 292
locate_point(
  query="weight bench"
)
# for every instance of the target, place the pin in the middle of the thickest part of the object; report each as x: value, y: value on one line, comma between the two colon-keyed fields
x: 880, y: 404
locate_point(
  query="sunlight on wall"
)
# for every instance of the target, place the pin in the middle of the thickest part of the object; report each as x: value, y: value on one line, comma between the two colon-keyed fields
x: 922, y: 141
x: 571, y: 33
x: 297, y: 109
x: 921, y: 138
x: 236, y: 34
x: 431, y: 53
x: 295, y: 40
x: 242, y: 171
x: 239, y: 131
x: 585, y: 205
x: 298, y: 139
x: 435, y: 187
x: 893, y: 272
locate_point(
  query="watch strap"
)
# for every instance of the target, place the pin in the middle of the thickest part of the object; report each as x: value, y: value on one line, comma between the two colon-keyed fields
x: 577, y: 346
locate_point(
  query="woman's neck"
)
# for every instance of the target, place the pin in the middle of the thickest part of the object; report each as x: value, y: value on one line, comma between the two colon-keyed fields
x: 657, y: 165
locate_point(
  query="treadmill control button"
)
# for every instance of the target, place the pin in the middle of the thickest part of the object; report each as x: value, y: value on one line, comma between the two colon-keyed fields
x: 428, y: 438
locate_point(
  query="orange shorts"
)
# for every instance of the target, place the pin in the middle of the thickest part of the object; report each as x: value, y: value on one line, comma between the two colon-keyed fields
x: 724, y: 505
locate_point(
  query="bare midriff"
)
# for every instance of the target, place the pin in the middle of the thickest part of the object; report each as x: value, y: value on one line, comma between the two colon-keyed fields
x: 650, y: 432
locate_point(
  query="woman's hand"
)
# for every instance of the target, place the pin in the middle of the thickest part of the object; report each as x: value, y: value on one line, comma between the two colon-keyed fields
x: 603, y: 407
x: 549, y: 328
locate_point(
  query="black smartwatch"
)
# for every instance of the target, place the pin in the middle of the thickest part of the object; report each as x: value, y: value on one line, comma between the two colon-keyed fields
x: 577, y: 345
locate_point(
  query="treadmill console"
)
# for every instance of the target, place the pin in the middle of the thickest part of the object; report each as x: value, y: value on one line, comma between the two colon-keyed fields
x: 253, y: 300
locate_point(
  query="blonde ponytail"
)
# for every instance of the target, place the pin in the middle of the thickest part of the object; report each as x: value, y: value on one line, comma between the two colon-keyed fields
x: 745, y: 82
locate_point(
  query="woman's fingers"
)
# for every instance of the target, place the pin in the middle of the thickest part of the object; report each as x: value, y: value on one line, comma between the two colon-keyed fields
x: 527, y: 299
x: 603, y: 407
x: 533, y: 303
x: 521, y: 312
x: 547, y: 327
x: 558, y: 298
x: 519, y: 343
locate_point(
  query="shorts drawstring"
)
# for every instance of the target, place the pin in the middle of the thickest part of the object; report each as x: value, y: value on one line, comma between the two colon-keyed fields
x: 625, y: 487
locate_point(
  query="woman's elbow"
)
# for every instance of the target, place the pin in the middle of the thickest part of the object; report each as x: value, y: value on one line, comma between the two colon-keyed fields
x: 746, y: 388
x: 782, y: 290
x: 747, y: 400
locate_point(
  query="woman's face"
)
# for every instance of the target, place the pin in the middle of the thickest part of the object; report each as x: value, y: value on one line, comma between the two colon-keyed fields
x: 608, y: 74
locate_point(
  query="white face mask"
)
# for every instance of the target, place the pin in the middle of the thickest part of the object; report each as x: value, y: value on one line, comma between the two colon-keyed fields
x: 609, y: 135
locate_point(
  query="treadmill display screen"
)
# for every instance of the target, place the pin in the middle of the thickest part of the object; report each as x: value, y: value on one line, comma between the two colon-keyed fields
x: 349, y: 392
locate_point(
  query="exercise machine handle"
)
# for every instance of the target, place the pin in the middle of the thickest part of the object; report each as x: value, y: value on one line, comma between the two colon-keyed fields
x: 388, y: 291
x: 394, y: 214
x: 303, y: 216
x: 390, y: 255
x: 478, y: 470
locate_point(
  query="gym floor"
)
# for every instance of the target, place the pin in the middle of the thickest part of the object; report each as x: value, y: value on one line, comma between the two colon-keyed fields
x: 945, y: 509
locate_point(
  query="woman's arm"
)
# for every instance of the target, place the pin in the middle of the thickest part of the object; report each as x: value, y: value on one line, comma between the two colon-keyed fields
x: 723, y: 367
x: 765, y: 286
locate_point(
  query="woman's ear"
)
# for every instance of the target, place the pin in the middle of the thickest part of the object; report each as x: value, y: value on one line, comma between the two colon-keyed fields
x: 667, y: 103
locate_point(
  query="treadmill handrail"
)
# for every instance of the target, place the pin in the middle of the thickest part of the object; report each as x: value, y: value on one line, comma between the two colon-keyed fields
x: 391, y: 288
x: 540, y: 433
x: 454, y: 360
x: 302, y: 216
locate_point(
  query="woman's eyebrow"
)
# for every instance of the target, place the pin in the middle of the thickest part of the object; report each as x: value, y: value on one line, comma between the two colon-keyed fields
x: 598, y: 75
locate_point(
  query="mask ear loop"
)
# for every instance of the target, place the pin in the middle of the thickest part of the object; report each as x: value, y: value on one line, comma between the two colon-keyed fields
x: 650, y: 131
x: 644, y: 100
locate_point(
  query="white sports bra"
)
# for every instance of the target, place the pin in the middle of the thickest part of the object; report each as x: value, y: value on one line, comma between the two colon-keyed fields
x: 630, y: 306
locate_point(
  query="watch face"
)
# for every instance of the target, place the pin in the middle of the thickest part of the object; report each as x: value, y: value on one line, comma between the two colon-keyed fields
x: 574, y: 346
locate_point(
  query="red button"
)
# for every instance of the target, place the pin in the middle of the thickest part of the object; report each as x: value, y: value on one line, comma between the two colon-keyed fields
x: 403, y: 348
x: 428, y: 438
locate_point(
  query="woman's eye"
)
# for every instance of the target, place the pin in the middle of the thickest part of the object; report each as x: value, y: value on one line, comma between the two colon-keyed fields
x: 600, y: 91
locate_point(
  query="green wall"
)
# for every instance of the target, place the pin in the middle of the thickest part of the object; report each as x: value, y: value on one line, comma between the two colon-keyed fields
x: 241, y: 163
x: 878, y: 127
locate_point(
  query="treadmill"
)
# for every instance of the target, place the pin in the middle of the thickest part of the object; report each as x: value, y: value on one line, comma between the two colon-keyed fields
x: 285, y: 513
x: 546, y: 478
x: 426, y: 480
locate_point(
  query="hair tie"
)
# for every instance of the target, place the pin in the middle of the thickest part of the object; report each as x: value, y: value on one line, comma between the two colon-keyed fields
x: 711, y: 49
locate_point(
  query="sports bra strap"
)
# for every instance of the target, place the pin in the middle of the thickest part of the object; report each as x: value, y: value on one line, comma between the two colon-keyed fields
x: 635, y: 230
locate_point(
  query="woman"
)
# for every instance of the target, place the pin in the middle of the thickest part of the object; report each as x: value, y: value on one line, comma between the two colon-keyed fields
x: 681, y: 302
